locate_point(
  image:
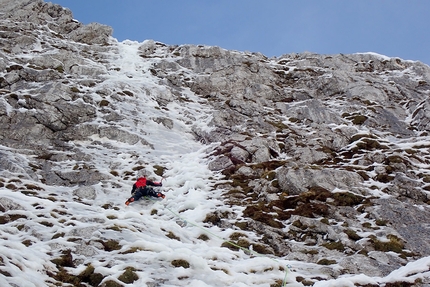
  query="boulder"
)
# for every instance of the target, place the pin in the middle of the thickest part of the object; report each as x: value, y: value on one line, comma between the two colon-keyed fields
x: 296, y: 181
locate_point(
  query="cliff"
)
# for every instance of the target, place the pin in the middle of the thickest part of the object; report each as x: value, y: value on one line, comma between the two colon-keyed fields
x: 320, y: 162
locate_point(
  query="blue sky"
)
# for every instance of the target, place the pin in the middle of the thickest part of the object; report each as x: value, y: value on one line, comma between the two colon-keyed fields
x: 395, y: 28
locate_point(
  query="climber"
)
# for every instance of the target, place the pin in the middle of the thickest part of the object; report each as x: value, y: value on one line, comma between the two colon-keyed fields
x: 140, y: 188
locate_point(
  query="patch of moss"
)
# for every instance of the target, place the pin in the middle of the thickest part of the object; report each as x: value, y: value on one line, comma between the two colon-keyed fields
x: 110, y: 245
x: 381, y: 222
x: 235, y: 246
x: 325, y: 261
x: 279, y: 125
x: 310, y: 252
x: 269, y: 176
x: 104, y: 103
x: 311, y: 210
x: 33, y: 187
x: 171, y: 235
x: 215, y: 217
x: 242, y: 182
x: 128, y: 93
x: 394, y: 159
x: 299, y: 224
x: 46, y: 223
x: 426, y: 178
x: 357, y: 137
x: 260, y: 213
x: 107, y: 206
x: 111, y: 283
x: 400, y: 284
x: 181, y: 263
x: 347, y: 199
x: 308, y: 204
x: 66, y: 259
x: 88, y: 276
x: 278, y: 283
x: 295, y: 120
x: 261, y: 249
x: 242, y: 225
x: 363, y: 174
x: 203, y: 237
x: 11, y: 186
x: 384, y: 178
x: 29, y: 192
x: 4, y: 219
x: 275, y: 183
x: 5, y: 273
x: 51, y: 198
x: 315, y: 193
x: 268, y: 165
x: 334, y: 246
x: 60, y: 69
x: 14, y: 216
x: 75, y: 90
x: 115, y: 228
x: 394, y: 244
x: 114, y: 173
x: 64, y: 277
x: 129, y: 276
x: 370, y: 144
x: 367, y: 225
x: 359, y: 119
x: 325, y: 221
x: 137, y: 168
x: 27, y: 242
x: 159, y: 170
x: 58, y: 235
x: 352, y: 235
x: 237, y: 235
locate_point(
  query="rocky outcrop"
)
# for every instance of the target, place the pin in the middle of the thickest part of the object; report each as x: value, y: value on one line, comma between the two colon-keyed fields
x: 317, y: 151
x: 30, y: 15
x: 304, y: 124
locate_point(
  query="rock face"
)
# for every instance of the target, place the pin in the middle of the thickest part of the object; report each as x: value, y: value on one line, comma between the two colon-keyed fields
x: 311, y: 146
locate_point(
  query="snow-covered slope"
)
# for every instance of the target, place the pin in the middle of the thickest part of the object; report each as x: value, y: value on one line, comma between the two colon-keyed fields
x: 148, y: 236
x: 81, y: 118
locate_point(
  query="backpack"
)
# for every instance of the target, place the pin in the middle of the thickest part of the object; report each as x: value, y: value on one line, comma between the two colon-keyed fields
x: 141, y: 182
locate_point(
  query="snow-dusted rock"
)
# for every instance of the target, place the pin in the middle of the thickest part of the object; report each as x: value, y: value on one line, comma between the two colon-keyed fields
x: 296, y: 181
x: 85, y: 192
x: 300, y: 147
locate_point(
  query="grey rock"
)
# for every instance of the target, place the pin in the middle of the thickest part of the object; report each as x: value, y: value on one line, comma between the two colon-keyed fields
x: 85, y: 192
x: 7, y: 204
x: 117, y: 134
x: 240, y: 153
x: 278, y: 127
x: 93, y: 33
x: 84, y: 232
x: 409, y: 221
x: 296, y: 181
x: 220, y: 163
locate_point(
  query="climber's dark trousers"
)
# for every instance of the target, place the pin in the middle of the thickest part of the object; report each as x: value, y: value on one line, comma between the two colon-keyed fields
x: 141, y: 192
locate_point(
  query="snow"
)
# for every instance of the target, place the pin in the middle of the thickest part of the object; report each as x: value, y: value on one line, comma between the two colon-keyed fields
x: 409, y: 273
x: 144, y: 225
x: 382, y: 57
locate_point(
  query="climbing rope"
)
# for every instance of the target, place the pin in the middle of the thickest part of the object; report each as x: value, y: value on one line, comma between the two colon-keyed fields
x: 284, y: 282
